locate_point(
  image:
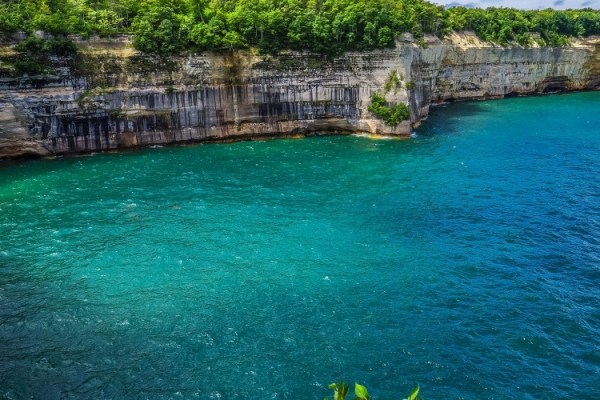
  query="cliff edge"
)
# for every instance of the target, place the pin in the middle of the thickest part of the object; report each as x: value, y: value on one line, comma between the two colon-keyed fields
x: 108, y: 96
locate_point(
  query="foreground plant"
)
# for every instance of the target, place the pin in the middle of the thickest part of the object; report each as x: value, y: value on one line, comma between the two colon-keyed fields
x: 414, y: 395
x: 340, y: 391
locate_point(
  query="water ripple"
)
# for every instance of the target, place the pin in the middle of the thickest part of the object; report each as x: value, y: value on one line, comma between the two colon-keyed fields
x: 465, y: 259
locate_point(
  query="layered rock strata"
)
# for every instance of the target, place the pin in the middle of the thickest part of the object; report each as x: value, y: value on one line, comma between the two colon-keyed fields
x: 110, y: 97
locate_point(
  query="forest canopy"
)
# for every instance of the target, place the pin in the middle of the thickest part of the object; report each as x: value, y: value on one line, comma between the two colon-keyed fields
x: 326, y: 26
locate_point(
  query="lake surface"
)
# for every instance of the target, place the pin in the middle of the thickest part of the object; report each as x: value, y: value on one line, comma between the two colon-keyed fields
x: 466, y: 260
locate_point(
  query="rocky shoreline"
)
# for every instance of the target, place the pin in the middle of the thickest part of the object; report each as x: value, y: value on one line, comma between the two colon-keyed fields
x: 111, y: 97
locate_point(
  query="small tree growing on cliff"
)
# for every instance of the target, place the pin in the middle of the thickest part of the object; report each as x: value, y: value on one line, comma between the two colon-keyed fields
x: 393, y: 83
x: 391, y: 114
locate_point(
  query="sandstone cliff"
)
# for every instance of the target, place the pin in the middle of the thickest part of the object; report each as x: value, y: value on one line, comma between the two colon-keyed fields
x: 111, y: 97
x: 463, y: 67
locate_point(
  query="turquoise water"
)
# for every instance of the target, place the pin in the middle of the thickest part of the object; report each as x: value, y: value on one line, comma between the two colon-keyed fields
x: 466, y: 260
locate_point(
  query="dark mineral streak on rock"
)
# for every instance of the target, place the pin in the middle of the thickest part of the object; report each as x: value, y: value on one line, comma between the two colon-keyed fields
x: 110, y: 97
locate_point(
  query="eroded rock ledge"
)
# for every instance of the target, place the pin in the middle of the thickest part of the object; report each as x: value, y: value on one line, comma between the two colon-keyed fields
x: 110, y: 97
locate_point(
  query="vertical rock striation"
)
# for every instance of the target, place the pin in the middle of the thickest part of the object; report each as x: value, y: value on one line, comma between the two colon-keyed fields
x: 466, y: 68
x: 111, y: 97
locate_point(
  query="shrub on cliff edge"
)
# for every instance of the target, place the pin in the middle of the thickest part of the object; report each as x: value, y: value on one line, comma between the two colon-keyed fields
x: 392, y: 115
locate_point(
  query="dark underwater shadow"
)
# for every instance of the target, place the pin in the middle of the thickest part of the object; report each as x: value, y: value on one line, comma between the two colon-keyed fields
x: 445, y: 118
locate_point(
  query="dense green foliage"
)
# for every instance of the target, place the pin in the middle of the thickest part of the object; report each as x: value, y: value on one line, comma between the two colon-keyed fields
x: 169, y: 26
x: 324, y: 26
x: 506, y: 25
x: 33, y: 56
x: 60, y: 17
x: 56, y: 46
x: 391, y: 114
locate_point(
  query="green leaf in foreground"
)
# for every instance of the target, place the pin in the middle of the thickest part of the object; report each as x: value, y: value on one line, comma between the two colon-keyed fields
x: 361, y: 392
x: 340, y: 390
x: 414, y: 394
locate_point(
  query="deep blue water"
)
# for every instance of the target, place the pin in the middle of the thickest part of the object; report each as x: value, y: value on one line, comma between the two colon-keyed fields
x: 466, y: 260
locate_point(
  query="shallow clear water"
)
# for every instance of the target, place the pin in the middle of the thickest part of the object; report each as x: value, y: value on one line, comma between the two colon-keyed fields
x: 466, y: 260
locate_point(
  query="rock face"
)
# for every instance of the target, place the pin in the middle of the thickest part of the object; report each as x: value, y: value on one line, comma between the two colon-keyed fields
x: 15, y: 140
x: 466, y: 68
x: 110, y: 97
